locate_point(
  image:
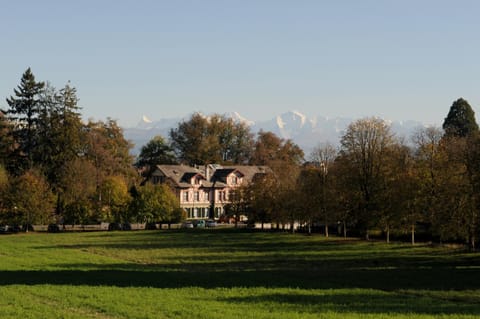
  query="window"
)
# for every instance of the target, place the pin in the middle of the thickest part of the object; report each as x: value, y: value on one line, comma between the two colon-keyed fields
x: 185, y: 196
x: 196, y: 196
x: 222, y: 195
x: 206, y: 196
x: 234, y: 180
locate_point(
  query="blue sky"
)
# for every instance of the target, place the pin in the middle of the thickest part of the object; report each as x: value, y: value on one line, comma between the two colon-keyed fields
x: 394, y: 59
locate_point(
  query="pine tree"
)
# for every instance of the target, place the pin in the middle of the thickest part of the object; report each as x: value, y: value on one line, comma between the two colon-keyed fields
x: 460, y: 121
x: 60, y: 130
x: 23, y: 114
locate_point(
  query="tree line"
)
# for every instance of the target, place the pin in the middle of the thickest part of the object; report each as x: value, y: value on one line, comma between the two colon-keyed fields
x: 378, y: 181
x: 55, y: 167
x: 427, y: 183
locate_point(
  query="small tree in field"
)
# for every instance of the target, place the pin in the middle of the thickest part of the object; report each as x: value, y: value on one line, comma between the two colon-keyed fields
x: 115, y: 198
x: 153, y: 203
x: 30, y: 199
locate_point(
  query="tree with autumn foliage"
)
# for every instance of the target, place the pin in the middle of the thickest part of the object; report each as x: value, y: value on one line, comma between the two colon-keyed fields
x: 115, y: 199
x: 261, y: 199
x: 155, y: 203
x: 366, y: 143
x: 30, y: 199
x: 215, y: 139
x: 323, y: 158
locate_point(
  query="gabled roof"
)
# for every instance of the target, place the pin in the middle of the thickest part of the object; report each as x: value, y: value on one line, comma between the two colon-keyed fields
x: 181, y: 175
x: 250, y: 171
x: 221, y: 174
x: 187, y: 177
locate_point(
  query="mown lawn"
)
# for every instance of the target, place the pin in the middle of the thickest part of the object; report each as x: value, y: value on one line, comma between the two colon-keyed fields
x: 231, y: 274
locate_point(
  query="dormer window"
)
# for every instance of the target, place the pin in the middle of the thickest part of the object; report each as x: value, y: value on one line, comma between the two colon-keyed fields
x: 234, y: 180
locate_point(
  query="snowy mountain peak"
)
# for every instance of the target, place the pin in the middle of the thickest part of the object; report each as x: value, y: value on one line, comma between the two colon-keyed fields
x: 145, y: 123
x: 300, y: 116
x: 238, y: 118
x: 145, y: 119
x: 280, y: 122
x: 306, y: 132
x: 294, y: 118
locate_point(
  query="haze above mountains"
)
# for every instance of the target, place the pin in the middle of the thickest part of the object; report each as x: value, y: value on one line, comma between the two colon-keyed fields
x: 304, y: 131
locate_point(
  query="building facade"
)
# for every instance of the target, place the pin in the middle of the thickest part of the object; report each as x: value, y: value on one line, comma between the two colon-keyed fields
x: 204, y: 192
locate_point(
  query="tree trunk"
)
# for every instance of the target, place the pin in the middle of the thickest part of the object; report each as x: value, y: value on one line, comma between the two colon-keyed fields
x: 326, y: 229
x: 309, y: 225
x: 388, y: 235
x: 367, y: 235
x: 345, y: 229
x: 413, y: 234
x: 262, y: 225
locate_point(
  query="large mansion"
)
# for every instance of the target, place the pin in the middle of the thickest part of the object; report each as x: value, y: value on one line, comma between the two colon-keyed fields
x: 204, y: 191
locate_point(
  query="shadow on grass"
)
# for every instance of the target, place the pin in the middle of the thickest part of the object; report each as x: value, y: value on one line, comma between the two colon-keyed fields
x: 227, y: 259
x: 387, y: 280
x: 387, y: 291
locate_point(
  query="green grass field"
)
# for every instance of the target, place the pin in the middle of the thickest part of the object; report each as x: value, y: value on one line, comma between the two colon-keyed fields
x: 231, y: 274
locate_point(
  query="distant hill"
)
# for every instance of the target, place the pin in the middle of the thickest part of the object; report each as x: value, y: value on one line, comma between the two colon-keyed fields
x: 306, y: 132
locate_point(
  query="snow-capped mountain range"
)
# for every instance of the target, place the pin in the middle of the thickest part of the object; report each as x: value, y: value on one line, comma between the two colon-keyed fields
x: 304, y: 131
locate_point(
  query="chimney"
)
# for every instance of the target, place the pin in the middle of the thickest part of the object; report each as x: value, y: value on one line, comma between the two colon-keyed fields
x: 207, y: 172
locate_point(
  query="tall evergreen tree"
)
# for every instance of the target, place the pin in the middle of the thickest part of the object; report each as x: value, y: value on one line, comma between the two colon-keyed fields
x: 460, y: 121
x: 60, y: 130
x: 23, y: 113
